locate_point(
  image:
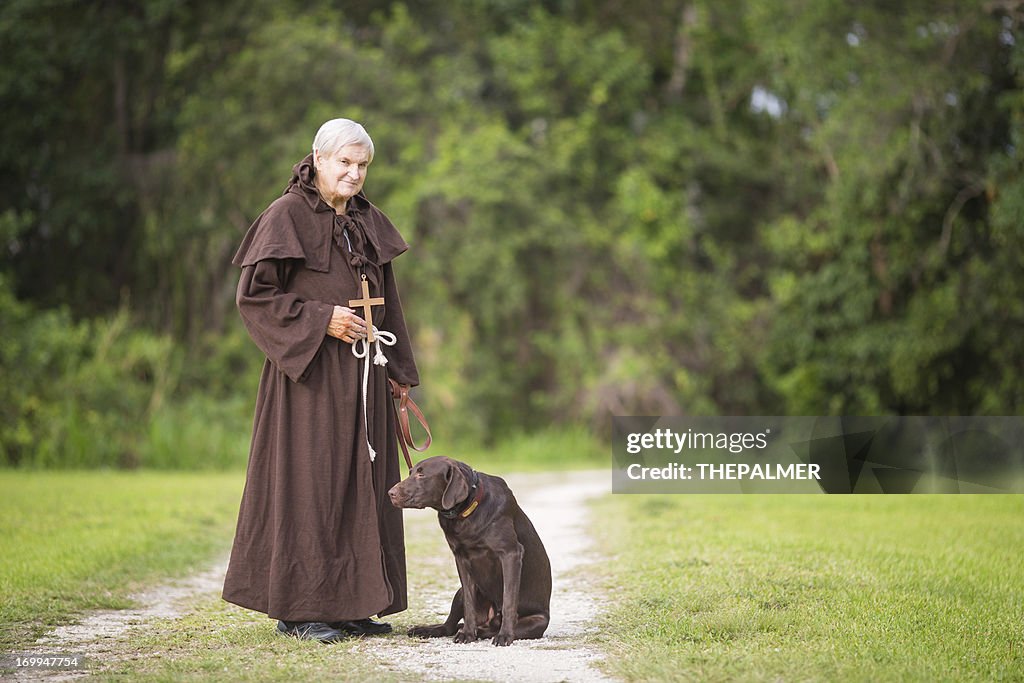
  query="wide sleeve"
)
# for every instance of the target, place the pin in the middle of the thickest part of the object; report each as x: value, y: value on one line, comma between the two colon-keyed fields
x: 401, y: 364
x: 288, y: 329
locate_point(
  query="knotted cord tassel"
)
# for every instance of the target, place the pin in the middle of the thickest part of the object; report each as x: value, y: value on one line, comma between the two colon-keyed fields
x: 361, y: 352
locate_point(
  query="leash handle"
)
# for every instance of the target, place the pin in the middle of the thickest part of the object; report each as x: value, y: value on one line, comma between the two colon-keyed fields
x: 403, y: 429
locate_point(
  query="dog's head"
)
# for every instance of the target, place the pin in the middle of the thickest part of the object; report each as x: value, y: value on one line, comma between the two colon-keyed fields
x: 439, y: 482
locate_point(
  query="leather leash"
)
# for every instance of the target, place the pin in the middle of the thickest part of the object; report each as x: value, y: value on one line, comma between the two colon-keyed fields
x: 402, y: 428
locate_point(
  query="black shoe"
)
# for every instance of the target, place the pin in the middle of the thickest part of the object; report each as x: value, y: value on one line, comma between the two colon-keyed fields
x: 311, y: 630
x: 362, y: 627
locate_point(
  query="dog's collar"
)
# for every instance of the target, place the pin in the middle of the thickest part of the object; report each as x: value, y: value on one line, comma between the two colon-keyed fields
x: 469, y: 505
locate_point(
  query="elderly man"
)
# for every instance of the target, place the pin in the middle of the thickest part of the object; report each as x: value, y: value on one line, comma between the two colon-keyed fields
x: 318, y: 546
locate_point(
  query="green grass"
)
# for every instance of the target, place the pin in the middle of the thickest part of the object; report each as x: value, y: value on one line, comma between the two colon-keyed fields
x: 73, y: 541
x: 850, y: 588
x: 218, y: 641
x: 77, y: 541
x: 545, y: 451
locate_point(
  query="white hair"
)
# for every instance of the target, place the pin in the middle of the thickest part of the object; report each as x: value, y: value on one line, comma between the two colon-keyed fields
x: 337, y: 133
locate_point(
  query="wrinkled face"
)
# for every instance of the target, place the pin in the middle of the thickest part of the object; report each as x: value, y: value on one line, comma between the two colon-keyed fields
x: 340, y: 176
x: 425, y: 486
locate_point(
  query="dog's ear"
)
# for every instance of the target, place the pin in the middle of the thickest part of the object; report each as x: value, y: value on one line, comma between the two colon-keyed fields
x: 457, y: 488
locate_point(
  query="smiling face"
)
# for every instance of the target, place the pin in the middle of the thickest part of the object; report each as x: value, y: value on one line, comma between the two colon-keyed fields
x: 340, y: 176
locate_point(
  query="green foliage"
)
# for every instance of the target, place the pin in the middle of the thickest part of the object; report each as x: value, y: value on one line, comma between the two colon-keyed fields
x: 893, y: 281
x: 105, y: 393
x: 733, y: 207
x: 198, y: 433
x: 543, y: 450
x: 76, y: 393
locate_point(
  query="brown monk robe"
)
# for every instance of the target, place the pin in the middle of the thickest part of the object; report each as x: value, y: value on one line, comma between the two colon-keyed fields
x: 317, y: 538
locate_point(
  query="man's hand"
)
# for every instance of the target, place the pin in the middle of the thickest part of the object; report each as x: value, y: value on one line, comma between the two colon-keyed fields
x: 346, y: 325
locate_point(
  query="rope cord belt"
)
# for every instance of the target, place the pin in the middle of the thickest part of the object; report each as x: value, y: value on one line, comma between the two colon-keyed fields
x: 361, y: 350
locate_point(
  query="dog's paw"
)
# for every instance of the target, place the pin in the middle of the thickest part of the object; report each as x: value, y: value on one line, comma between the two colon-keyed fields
x: 503, y: 639
x: 437, y: 631
x: 463, y: 637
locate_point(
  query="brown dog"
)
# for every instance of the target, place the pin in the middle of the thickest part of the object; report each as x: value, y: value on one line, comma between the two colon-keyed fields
x: 503, y: 567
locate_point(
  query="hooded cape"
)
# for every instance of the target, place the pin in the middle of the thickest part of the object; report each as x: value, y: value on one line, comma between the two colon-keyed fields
x: 317, y: 537
x: 286, y: 231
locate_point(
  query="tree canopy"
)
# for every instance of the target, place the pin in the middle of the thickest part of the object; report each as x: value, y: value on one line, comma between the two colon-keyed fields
x: 693, y: 207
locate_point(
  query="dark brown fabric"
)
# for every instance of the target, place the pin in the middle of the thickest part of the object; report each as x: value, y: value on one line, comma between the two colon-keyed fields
x: 317, y: 538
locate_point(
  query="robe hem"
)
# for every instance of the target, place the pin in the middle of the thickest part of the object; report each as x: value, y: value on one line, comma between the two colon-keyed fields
x: 301, y: 616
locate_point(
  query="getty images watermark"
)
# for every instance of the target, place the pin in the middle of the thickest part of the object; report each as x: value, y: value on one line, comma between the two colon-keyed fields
x: 818, y: 455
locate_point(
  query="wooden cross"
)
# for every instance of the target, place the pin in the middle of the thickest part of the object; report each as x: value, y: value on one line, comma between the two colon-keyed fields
x: 366, y: 303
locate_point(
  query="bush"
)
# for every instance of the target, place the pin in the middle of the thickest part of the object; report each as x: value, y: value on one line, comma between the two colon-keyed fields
x: 78, y: 394
x: 199, y: 433
x: 101, y: 393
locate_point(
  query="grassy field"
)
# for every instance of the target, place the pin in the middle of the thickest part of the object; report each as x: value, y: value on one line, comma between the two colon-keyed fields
x: 860, y: 588
x: 72, y: 541
x: 218, y: 641
x: 829, y: 588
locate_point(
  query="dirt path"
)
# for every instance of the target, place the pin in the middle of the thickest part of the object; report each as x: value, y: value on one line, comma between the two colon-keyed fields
x: 97, y: 635
x: 555, y: 504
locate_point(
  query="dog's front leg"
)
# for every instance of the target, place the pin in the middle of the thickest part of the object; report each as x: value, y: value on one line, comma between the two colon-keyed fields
x: 467, y: 634
x: 511, y: 571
